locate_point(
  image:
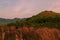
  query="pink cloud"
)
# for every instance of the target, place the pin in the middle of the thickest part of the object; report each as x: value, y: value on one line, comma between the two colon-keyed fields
x: 55, y: 6
x: 26, y: 8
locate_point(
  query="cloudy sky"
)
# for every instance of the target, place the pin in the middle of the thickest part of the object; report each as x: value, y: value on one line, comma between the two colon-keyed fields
x: 26, y: 8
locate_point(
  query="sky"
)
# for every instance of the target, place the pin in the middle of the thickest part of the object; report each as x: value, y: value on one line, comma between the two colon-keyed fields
x: 26, y: 8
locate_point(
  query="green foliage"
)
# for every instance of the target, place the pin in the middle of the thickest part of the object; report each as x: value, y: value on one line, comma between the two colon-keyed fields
x: 43, y: 19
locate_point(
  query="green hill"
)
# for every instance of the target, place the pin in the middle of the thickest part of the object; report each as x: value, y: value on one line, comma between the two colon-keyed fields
x: 43, y: 19
x: 4, y: 21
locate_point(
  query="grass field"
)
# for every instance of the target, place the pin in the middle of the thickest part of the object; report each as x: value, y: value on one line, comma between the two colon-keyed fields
x: 31, y: 33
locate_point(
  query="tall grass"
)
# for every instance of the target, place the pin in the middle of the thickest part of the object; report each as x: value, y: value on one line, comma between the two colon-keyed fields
x: 29, y: 33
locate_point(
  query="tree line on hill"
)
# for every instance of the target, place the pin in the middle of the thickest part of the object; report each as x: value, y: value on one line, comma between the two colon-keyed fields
x: 48, y: 19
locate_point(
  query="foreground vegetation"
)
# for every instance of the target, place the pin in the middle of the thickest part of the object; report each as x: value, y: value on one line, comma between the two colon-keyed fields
x: 30, y: 33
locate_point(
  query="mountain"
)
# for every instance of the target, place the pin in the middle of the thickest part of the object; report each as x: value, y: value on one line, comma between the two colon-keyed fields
x: 40, y: 16
x: 45, y: 19
x: 3, y: 20
x: 45, y: 14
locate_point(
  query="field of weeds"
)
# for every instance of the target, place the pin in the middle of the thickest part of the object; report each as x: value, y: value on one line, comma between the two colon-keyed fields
x: 30, y: 33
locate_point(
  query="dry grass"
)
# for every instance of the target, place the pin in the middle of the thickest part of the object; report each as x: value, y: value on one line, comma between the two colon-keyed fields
x: 30, y: 34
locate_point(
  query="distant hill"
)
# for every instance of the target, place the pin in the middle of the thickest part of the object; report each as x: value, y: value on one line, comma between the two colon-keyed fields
x: 37, y: 17
x: 46, y: 13
x: 43, y: 19
x: 3, y: 20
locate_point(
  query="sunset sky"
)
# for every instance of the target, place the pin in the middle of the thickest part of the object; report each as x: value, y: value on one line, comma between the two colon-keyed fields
x: 26, y: 8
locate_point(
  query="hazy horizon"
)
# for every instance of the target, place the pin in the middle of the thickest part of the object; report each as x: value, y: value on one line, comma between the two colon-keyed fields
x: 26, y: 8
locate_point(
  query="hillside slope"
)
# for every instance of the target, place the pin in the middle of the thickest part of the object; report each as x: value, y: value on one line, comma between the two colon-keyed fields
x: 43, y: 19
x: 46, y: 18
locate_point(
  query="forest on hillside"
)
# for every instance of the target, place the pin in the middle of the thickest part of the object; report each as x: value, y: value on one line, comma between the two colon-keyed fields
x: 43, y: 26
x: 48, y: 19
